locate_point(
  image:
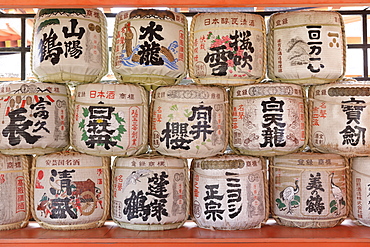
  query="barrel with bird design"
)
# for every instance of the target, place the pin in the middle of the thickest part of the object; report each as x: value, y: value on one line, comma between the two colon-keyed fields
x: 309, y: 190
x: 361, y: 190
x: 229, y: 192
x: 306, y: 47
x: 268, y: 119
x: 150, y: 192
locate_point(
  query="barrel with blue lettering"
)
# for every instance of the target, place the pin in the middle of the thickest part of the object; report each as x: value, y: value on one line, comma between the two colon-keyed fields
x: 69, y: 45
x: 70, y: 191
x: 309, y: 190
x: 306, y: 47
x: 150, y: 192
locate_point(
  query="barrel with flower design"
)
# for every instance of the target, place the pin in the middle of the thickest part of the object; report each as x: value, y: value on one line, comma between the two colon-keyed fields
x: 309, y: 190
x: 189, y: 121
x: 70, y: 191
x: 34, y: 117
x: 150, y: 192
x: 229, y: 192
x: 110, y: 119
x: 227, y: 48
x: 69, y: 45
x: 150, y: 47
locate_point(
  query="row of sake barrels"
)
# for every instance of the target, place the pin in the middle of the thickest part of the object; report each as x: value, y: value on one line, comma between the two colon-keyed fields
x: 71, y: 190
x: 186, y: 121
x: 150, y: 47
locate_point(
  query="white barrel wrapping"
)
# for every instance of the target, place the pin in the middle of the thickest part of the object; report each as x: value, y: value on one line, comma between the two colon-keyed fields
x: 14, y: 191
x: 268, y: 119
x: 110, y: 119
x: 227, y: 48
x: 228, y: 192
x: 189, y: 121
x: 338, y: 115
x: 150, y: 47
x: 306, y: 47
x: 309, y: 190
x: 69, y: 45
x: 150, y: 192
x: 70, y: 191
x: 360, y: 190
x: 34, y: 117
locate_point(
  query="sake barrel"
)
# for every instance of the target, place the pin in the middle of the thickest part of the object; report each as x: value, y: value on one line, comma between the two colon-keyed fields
x: 150, y: 47
x: 268, y: 119
x: 306, y: 47
x: 360, y: 190
x: 189, y: 121
x: 309, y: 190
x: 34, y: 117
x: 70, y: 191
x: 338, y: 113
x: 69, y: 45
x: 227, y: 48
x: 150, y: 192
x: 110, y: 119
x: 228, y: 192
x: 14, y: 191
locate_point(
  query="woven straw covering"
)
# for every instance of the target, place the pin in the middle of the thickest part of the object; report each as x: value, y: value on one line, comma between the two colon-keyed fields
x: 14, y: 191
x: 227, y: 48
x: 150, y: 47
x: 360, y: 190
x: 306, y: 47
x: 229, y: 192
x: 34, y: 117
x: 338, y: 118
x: 267, y: 119
x: 189, y: 121
x: 70, y: 191
x: 150, y: 182
x: 80, y: 53
x: 309, y: 190
x: 110, y: 119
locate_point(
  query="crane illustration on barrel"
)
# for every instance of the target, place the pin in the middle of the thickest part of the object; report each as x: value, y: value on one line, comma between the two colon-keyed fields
x: 337, y: 193
x: 288, y: 195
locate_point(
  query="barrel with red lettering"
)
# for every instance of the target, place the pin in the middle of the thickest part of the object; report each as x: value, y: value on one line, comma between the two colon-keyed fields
x: 339, y: 113
x: 306, y: 47
x: 110, y: 119
x: 150, y: 192
x: 189, y: 121
x: 69, y: 45
x: 268, y: 119
x: 309, y: 190
x: 34, y: 117
x: 150, y: 47
x: 14, y: 191
x: 227, y: 48
x: 229, y: 192
x: 70, y: 191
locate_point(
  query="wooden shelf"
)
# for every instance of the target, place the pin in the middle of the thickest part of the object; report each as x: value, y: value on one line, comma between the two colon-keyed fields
x: 271, y: 234
x: 176, y: 4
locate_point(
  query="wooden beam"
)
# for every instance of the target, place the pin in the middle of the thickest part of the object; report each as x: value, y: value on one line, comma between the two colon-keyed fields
x: 176, y: 3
